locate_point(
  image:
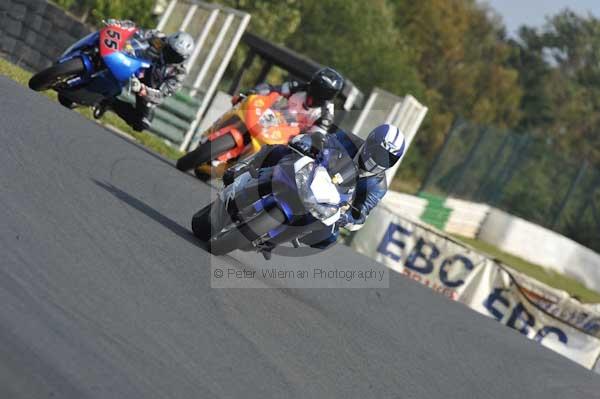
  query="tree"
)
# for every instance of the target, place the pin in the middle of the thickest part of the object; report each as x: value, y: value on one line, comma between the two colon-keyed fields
x: 139, y: 11
x: 559, y: 69
x: 94, y: 11
x: 463, y: 63
x: 359, y: 39
x: 275, y: 20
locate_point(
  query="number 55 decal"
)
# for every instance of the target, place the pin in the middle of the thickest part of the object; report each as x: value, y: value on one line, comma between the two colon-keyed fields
x: 110, y: 42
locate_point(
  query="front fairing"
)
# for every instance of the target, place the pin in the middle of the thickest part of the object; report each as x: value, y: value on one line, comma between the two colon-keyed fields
x: 277, y: 114
x: 268, y: 119
x: 123, y: 66
x: 121, y: 51
x: 342, y: 167
x: 285, y: 192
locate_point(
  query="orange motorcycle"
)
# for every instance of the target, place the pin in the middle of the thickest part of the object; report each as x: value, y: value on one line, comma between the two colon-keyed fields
x: 256, y: 121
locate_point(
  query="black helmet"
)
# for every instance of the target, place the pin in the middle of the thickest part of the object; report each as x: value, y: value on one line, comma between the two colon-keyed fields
x: 324, y: 85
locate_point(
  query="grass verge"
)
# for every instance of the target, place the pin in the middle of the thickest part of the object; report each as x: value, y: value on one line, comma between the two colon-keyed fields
x: 149, y: 140
x: 544, y: 275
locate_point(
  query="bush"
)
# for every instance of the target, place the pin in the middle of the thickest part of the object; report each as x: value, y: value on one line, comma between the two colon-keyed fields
x: 94, y: 11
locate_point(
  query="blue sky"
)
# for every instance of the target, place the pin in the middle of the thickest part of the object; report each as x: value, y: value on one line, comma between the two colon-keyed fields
x: 532, y: 12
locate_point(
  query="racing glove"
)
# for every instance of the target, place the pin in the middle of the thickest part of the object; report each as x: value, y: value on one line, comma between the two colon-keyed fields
x: 228, y: 177
x: 237, y: 170
x: 242, y: 95
x: 349, y: 222
x: 135, y: 85
x: 236, y: 99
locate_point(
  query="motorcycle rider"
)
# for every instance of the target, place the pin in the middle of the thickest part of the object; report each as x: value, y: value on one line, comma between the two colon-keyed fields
x: 163, y: 79
x: 383, y: 147
x: 312, y: 101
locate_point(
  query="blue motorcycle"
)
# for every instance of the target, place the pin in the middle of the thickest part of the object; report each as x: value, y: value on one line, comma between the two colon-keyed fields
x: 300, y: 195
x: 95, y: 68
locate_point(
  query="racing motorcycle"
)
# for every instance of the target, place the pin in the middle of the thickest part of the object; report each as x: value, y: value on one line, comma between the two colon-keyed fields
x: 96, y: 67
x: 300, y: 195
x: 255, y: 121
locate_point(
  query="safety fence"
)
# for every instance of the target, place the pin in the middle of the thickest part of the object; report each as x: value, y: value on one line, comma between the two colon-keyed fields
x: 521, y: 174
x: 541, y: 313
x: 217, y: 31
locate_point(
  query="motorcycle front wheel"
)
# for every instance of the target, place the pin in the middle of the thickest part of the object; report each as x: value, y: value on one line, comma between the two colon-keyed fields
x: 53, y: 75
x: 205, y: 152
x: 242, y: 235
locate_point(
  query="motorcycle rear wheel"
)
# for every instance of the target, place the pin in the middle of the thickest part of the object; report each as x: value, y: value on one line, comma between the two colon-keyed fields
x: 205, y: 152
x: 240, y: 237
x: 49, y: 77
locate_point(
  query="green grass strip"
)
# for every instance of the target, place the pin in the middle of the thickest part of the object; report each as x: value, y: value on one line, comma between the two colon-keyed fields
x: 540, y: 273
x: 148, y: 140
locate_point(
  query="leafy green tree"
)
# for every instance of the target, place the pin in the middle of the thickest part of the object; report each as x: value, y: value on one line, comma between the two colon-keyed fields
x: 94, y: 11
x: 463, y: 63
x: 275, y: 21
x: 450, y: 54
x: 359, y: 39
x: 66, y: 4
x: 559, y: 69
x: 139, y: 11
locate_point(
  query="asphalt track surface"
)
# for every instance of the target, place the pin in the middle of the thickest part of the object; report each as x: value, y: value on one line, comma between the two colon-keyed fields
x: 104, y: 293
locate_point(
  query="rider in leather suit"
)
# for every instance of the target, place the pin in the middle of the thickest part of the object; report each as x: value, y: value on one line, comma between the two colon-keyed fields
x: 383, y: 147
x: 313, y: 100
x: 164, y: 78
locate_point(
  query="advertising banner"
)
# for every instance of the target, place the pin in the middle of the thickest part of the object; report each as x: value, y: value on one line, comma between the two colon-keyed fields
x: 544, y: 314
x: 436, y: 261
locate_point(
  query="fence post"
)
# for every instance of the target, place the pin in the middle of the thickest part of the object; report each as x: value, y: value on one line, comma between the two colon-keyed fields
x: 217, y: 77
x: 364, y: 112
x: 451, y: 132
x: 234, y: 88
x: 165, y: 17
x: 587, y: 201
x: 467, y: 163
x: 264, y: 71
x: 509, y: 169
x: 480, y: 193
x: 202, y: 37
x: 569, y: 193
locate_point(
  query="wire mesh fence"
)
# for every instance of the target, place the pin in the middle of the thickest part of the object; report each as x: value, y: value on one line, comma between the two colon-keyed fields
x: 522, y: 175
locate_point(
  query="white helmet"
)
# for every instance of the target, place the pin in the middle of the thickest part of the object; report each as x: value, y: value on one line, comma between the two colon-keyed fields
x: 381, y: 150
x: 179, y: 47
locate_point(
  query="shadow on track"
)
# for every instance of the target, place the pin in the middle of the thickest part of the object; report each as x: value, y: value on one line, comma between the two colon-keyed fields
x: 147, y: 210
x: 137, y: 144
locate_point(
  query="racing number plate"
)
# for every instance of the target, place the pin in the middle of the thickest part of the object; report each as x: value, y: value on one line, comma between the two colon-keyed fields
x: 113, y: 38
